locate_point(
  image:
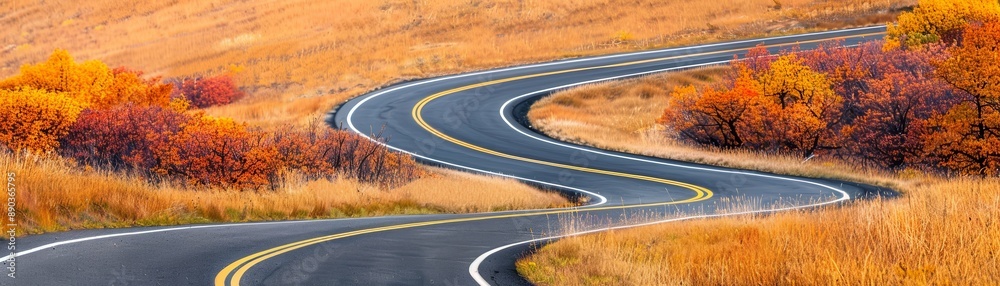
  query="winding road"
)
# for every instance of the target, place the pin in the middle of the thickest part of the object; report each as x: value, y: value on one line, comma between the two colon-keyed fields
x: 473, y: 122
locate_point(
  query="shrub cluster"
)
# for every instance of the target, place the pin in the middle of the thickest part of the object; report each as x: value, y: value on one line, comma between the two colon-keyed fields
x: 116, y: 119
x: 934, y: 106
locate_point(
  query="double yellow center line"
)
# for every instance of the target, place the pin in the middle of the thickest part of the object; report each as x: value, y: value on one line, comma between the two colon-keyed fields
x: 233, y: 273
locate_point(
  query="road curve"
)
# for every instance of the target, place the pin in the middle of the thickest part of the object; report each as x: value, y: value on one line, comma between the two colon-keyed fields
x: 469, y: 121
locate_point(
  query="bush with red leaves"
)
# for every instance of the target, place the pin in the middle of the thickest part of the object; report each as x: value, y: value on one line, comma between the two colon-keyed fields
x: 205, y: 92
x: 120, y: 137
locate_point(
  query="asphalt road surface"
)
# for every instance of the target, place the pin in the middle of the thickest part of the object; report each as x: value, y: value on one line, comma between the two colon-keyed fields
x: 471, y: 122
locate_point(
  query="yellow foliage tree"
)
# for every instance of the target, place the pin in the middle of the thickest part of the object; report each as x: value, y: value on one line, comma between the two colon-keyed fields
x: 935, y: 20
x: 803, y: 107
x: 86, y: 82
x: 35, y: 119
x: 968, y: 137
x: 90, y: 82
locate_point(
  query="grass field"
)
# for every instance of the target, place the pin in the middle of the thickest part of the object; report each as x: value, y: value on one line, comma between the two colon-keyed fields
x: 298, y: 59
x: 55, y: 195
x: 942, y: 231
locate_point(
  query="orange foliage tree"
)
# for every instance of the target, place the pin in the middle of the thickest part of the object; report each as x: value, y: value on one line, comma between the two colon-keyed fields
x: 967, y: 137
x: 91, y: 82
x: 802, y: 108
x: 129, y: 122
x: 35, y: 119
x: 884, y: 104
x: 219, y: 152
x: 714, y: 117
x: 130, y: 87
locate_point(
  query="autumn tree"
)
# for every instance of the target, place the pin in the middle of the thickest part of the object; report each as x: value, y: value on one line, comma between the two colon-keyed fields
x: 35, y: 119
x: 87, y: 82
x: 713, y: 117
x: 849, y: 71
x: 775, y: 104
x: 896, y: 108
x: 939, y: 20
x: 801, y: 106
x: 888, y: 96
x: 967, y: 138
x: 371, y: 161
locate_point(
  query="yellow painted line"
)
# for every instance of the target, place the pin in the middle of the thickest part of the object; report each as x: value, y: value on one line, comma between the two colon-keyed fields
x: 239, y: 267
x: 244, y: 264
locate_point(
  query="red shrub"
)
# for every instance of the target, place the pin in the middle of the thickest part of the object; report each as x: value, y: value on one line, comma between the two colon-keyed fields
x: 122, y: 136
x: 205, y: 92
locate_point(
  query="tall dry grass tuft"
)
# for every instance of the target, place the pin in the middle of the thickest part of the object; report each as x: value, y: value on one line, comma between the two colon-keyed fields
x: 942, y: 232
x: 299, y: 58
x: 55, y: 195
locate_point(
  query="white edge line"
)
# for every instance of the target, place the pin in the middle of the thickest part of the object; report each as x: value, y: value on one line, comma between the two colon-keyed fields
x: 474, y: 267
x: 191, y: 227
x: 54, y: 244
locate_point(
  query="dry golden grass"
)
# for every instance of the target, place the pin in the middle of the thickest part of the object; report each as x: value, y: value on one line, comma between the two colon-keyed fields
x: 298, y: 59
x: 942, y: 232
x: 54, y: 195
x: 603, y: 114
